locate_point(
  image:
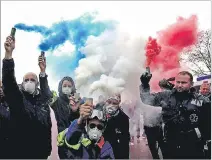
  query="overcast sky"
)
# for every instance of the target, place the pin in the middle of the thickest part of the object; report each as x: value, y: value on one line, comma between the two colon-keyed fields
x: 138, y: 18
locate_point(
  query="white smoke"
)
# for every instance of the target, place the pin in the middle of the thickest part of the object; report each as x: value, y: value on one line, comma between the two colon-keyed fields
x: 114, y: 62
x: 151, y: 114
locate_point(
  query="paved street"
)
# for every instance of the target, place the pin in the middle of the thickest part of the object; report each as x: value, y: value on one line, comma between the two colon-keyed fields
x: 140, y: 150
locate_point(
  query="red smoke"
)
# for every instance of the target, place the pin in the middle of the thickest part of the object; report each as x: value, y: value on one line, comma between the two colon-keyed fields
x: 152, y: 50
x: 172, y: 40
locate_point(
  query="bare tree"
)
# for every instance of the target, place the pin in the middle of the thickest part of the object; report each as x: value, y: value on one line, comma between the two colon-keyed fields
x: 198, y: 57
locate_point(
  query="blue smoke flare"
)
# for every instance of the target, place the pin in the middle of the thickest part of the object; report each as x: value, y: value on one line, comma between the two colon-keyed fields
x: 76, y: 31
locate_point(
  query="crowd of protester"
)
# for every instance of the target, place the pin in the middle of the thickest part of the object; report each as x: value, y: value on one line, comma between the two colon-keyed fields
x: 100, y: 131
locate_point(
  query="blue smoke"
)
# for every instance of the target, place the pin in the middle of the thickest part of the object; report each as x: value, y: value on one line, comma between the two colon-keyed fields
x: 76, y: 31
x: 39, y: 29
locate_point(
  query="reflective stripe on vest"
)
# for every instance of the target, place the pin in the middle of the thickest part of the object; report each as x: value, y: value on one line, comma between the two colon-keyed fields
x: 198, y: 132
x: 84, y: 141
x: 61, y: 137
x: 75, y: 147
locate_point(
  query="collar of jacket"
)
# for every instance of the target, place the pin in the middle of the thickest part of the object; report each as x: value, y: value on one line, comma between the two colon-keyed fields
x: 190, y: 92
x: 34, y: 95
x: 84, y: 139
x: 101, y: 142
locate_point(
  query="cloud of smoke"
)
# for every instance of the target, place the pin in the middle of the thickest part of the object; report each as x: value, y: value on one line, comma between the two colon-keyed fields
x: 172, y: 40
x: 75, y: 31
x: 114, y: 61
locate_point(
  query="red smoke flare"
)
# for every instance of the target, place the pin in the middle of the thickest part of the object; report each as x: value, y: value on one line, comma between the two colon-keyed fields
x: 152, y: 50
x: 165, y: 63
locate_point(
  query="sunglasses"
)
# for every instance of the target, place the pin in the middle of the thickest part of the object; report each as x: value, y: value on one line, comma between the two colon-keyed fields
x: 99, y: 126
x: 113, y: 101
x: 29, y: 79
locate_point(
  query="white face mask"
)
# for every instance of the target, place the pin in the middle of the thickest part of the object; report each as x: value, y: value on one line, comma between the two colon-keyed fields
x: 67, y: 90
x: 29, y: 87
x: 111, y: 109
x: 94, y: 134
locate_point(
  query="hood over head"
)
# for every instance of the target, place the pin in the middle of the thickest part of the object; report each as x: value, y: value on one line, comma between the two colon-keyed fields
x: 61, y: 82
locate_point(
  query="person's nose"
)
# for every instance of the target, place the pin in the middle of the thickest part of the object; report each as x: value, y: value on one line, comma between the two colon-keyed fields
x: 180, y: 85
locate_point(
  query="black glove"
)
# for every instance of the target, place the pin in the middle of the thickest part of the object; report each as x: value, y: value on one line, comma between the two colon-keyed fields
x: 145, y: 78
x: 166, y: 84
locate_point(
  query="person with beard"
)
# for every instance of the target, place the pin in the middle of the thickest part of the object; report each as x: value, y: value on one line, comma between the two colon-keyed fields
x: 30, y: 134
x: 117, y: 131
x: 185, y: 115
x: 4, y: 126
x: 84, y: 137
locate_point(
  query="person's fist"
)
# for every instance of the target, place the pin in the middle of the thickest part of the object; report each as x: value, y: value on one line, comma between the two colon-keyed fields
x: 1, y: 93
x: 85, y: 111
x: 74, y: 105
x: 145, y: 78
x: 9, y: 46
x: 42, y: 63
x: 166, y: 84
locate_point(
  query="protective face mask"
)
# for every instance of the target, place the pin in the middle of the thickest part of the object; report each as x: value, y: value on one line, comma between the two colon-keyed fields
x: 29, y: 87
x: 67, y: 90
x: 111, y: 109
x: 94, y: 134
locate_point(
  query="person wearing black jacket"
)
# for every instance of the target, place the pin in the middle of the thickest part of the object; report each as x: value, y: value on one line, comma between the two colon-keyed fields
x: 4, y: 126
x: 154, y: 133
x: 117, y: 130
x: 65, y: 113
x: 30, y: 135
x: 206, y: 92
x: 186, y: 117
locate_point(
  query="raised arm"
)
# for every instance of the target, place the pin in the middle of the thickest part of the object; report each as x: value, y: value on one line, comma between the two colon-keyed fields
x: 44, y: 86
x: 144, y: 88
x: 12, y: 93
x: 153, y: 99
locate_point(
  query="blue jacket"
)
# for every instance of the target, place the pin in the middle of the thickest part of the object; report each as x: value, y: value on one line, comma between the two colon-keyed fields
x: 80, y: 147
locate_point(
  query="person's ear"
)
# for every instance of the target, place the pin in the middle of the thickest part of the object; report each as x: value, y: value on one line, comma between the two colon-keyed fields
x: 192, y: 83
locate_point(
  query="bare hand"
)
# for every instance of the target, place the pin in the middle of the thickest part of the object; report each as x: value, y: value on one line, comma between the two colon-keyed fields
x: 1, y: 93
x: 74, y: 105
x: 42, y: 63
x: 9, y: 46
x: 85, y: 112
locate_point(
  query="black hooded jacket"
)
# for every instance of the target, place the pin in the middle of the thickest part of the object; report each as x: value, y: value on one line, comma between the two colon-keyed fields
x: 62, y: 109
x: 117, y: 134
x: 30, y: 121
